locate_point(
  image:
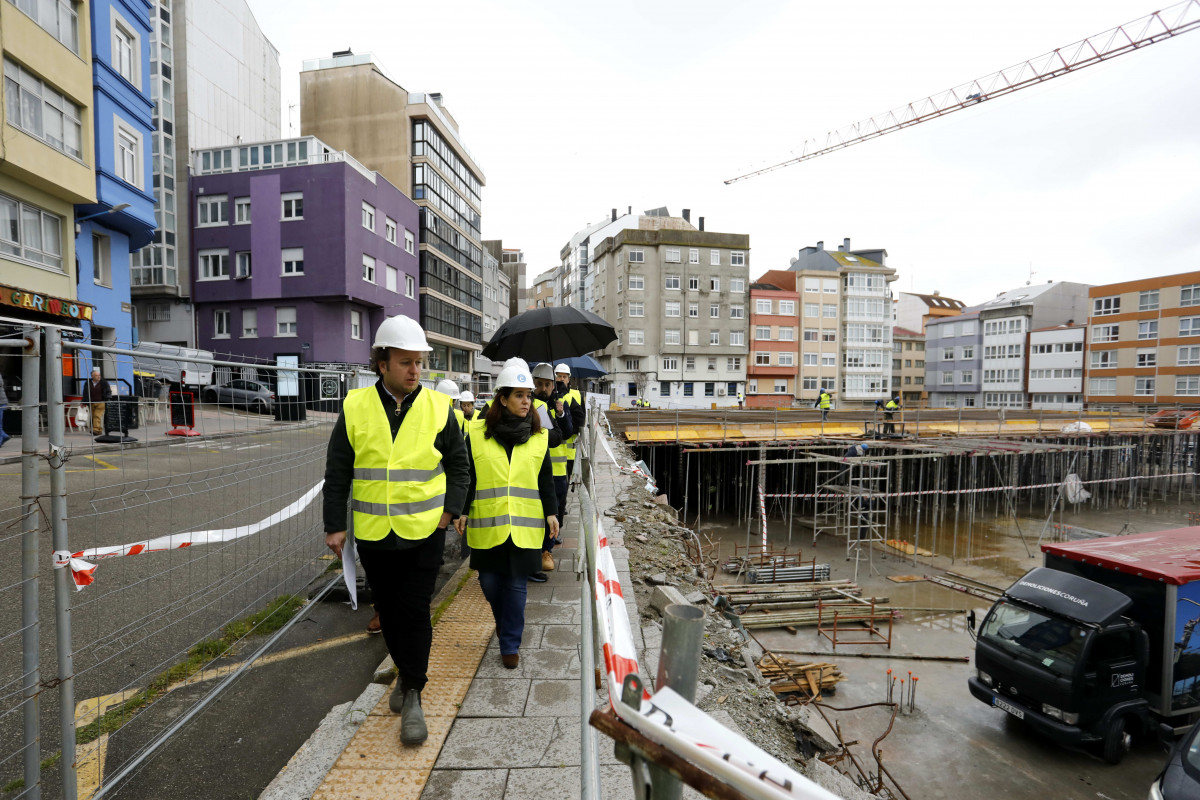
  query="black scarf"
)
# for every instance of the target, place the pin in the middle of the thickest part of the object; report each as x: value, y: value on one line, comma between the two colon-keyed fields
x: 512, y: 430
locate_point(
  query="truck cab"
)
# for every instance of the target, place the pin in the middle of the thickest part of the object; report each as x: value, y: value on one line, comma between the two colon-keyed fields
x: 1058, y: 652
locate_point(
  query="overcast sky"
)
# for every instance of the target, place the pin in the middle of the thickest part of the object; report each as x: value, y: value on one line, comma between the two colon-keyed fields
x: 573, y: 109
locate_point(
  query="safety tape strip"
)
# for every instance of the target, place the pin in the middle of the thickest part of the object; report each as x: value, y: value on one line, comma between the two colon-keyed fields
x: 809, y: 495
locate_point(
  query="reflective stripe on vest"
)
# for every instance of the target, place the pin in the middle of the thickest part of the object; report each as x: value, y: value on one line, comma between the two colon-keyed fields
x: 572, y: 395
x: 558, y: 455
x: 398, y: 485
x: 824, y: 400
x: 507, y: 502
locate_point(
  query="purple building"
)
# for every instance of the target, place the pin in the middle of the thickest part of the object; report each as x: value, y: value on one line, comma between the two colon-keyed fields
x: 298, y: 250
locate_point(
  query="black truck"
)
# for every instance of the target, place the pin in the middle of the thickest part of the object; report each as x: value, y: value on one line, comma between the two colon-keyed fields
x: 1094, y: 647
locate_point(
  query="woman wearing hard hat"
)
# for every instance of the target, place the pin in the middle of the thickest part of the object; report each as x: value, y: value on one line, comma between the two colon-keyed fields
x: 510, y: 500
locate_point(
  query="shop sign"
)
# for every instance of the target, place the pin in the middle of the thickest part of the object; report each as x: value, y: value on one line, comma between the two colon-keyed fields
x: 44, y: 304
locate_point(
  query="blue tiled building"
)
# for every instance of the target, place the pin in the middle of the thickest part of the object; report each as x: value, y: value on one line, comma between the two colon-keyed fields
x: 122, y: 219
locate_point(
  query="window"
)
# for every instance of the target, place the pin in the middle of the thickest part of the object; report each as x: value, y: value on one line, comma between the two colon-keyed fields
x: 212, y: 210
x: 812, y: 309
x: 368, y: 272
x: 356, y: 325
x: 737, y: 285
x: 787, y: 359
x: 1143, y: 387
x: 101, y: 260
x: 1105, y: 333
x: 781, y: 387
x: 672, y: 282
x: 948, y: 331
x: 410, y: 286
x: 221, y: 324
x: 59, y: 18
x: 410, y: 243
x: 688, y: 389
x: 1104, y: 306
x: 392, y: 276
x: 1102, y: 386
x: 631, y: 389
x: 671, y: 256
x: 967, y: 376
x: 810, y: 334
x: 389, y: 229
x: 733, y: 364
x: 809, y: 382
x: 1189, y: 295
x: 829, y: 359
x: 126, y: 50
x: 737, y: 311
x: 670, y: 364
x: 787, y: 334
x: 762, y: 359
x: 214, y: 265
x: 762, y: 306
x: 620, y: 311
x: 41, y: 111
x: 620, y: 284
x: 947, y: 378
x: 714, y: 337
x: 637, y: 310
x: 637, y: 255
x: 1187, y: 385
x: 710, y: 389
x: 637, y: 336
x: 293, y: 261
x: 829, y: 310
x: 637, y: 282
x: 672, y: 309
x: 1189, y: 326
x: 694, y: 310
x: 829, y: 285
x: 285, y: 322
x: 737, y: 258
x: 1104, y: 359
x: 809, y: 360
x: 947, y: 354
x: 293, y: 205
x: 762, y: 332
x: 671, y: 336
x: 242, y: 266
x: 693, y: 283
x: 714, y: 284
x: 1188, y: 356
x: 714, y: 258
x: 689, y: 363
x: 1147, y: 358
x: 158, y: 312
x: 633, y: 364
x: 241, y: 210
x: 664, y: 388
x: 249, y: 323
x: 828, y: 335
x: 693, y: 255
x: 714, y: 310
x: 1148, y: 300
x: 737, y: 338
x: 129, y: 160
x: 1148, y: 329
x: 368, y: 216
x: 787, y: 308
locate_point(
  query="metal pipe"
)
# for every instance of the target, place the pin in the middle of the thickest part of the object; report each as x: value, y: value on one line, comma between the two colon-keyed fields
x: 678, y: 668
x: 95, y: 348
x: 30, y: 626
x: 63, y: 585
x: 18, y: 344
x: 589, y: 771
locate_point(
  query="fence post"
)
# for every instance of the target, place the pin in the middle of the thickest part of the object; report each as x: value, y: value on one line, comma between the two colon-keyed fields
x: 678, y: 667
x: 31, y: 628
x: 63, y: 585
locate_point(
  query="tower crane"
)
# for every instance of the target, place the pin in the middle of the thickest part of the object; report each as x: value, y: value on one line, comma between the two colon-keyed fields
x: 1150, y: 29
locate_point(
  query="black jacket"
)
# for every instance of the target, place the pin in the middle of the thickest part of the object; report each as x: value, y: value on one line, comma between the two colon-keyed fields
x: 578, y: 411
x: 339, y: 466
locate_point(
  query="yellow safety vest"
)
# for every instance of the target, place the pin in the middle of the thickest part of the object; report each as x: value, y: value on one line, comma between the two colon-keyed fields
x: 462, y: 420
x: 558, y: 455
x: 824, y: 400
x: 891, y: 405
x: 507, y: 502
x: 398, y: 485
x: 572, y: 395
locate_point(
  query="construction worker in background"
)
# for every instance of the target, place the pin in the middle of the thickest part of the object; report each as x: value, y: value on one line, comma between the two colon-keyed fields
x: 825, y: 402
x: 889, y: 414
x: 450, y: 389
x: 741, y: 399
x: 573, y: 402
x: 543, y: 392
x: 511, y: 501
x: 466, y: 404
x: 397, y: 455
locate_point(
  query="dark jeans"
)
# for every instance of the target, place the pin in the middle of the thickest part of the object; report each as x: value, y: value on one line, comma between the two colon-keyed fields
x: 506, y: 594
x: 560, y: 489
x: 402, y: 583
x: 888, y: 425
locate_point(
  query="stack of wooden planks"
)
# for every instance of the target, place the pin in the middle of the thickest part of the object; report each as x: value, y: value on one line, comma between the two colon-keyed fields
x: 809, y: 679
x: 779, y: 604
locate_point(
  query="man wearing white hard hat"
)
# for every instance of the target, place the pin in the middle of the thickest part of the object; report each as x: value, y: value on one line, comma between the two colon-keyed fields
x: 573, y: 401
x: 466, y: 404
x: 450, y: 389
x: 397, y: 456
x: 544, y: 393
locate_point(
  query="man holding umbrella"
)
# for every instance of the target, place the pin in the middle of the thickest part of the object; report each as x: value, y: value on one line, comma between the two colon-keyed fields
x: 544, y: 392
x: 573, y: 402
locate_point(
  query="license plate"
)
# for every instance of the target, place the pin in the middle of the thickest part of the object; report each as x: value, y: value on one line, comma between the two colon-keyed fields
x: 1016, y: 712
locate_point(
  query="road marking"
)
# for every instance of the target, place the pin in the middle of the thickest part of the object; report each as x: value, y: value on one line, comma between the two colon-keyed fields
x: 103, y: 464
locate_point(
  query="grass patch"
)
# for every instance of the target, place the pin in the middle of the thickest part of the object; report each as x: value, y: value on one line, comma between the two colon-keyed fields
x: 19, y: 783
x: 260, y: 623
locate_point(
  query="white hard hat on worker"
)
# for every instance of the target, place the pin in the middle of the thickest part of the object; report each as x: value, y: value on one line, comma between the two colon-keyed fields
x: 562, y: 369
x: 448, y: 388
x: 515, y: 375
x: 398, y: 353
x: 466, y: 396
x: 402, y: 333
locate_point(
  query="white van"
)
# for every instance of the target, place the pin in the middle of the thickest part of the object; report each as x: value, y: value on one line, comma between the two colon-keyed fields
x: 196, y: 371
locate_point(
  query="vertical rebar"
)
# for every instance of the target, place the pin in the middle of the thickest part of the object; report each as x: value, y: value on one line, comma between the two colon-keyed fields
x: 678, y: 667
x: 30, y: 626
x: 63, y: 585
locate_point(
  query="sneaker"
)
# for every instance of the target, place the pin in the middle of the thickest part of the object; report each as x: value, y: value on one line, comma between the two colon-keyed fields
x: 510, y: 660
x: 373, y: 626
x: 539, y: 577
x: 547, y: 561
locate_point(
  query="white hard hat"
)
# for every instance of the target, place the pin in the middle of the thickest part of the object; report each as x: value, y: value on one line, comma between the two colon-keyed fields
x: 544, y: 371
x: 448, y: 388
x: 515, y: 375
x: 562, y: 368
x: 466, y: 396
x: 403, y: 333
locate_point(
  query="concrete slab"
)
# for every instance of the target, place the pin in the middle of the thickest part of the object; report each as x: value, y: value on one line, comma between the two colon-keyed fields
x: 529, y: 637
x: 496, y: 697
x: 552, y: 698
x: 564, y: 747
x: 560, y: 664
x: 560, y: 637
x: 454, y: 784
x: 568, y: 595
x: 551, y: 614
x: 497, y: 743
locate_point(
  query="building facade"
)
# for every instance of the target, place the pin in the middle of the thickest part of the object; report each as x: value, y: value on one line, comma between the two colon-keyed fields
x: 304, y: 253
x: 911, y: 311
x: 908, y: 366
x: 1143, y: 343
x: 497, y: 292
x: 414, y: 142
x: 1056, y: 367
x: 953, y: 361
x: 771, y: 371
x: 122, y: 220
x: 677, y: 297
x: 541, y: 293
x: 214, y: 79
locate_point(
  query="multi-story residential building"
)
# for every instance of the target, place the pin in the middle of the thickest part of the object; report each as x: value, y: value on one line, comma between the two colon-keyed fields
x: 1056, y: 367
x: 121, y: 221
x: 911, y: 311
x: 771, y: 370
x: 512, y: 263
x: 303, y: 252
x: 214, y: 79
x: 908, y: 366
x: 1144, y: 341
x: 677, y: 297
x: 846, y: 313
x: 953, y: 361
x: 414, y: 142
x: 497, y: 293
x: 542, y: 291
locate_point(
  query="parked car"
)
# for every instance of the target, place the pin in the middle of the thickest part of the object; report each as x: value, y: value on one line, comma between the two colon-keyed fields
x: 247, y: 394
x: 1180, y: 778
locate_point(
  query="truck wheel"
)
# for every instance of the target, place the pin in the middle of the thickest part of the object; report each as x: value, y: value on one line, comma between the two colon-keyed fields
x: 1117, y: 741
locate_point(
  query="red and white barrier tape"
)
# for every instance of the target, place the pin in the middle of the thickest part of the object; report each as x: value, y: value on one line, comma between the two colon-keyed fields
x: 82, y: 570
x: 810, y: 495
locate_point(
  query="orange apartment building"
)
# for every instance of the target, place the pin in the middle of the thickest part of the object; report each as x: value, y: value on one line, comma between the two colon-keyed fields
x: 1143, y: 343
x: 771, y: 370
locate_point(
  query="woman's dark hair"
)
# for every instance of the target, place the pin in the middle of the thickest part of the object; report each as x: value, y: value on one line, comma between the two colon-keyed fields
x: 492, y: 417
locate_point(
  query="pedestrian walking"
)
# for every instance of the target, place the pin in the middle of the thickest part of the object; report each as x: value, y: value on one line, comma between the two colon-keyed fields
x: 543, y: 382
x: 96, y: 395
x: 824, y: 402
x: 511, y: 501
x: 397, y: 455
x: 4, y: 437
x: 573, y: 402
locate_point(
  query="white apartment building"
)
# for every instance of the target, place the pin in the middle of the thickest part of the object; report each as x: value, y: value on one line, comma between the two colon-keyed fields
x: 1056, y: 368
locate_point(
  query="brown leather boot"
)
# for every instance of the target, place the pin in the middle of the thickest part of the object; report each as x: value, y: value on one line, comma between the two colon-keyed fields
x: 510, y: 660
x: 547, y: 561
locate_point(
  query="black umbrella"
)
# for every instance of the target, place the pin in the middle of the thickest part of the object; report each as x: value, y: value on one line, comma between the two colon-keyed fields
x: 549, y: 334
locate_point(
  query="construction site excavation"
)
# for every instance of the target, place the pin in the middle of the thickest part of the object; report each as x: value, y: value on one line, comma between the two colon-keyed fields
x: 863, y: 561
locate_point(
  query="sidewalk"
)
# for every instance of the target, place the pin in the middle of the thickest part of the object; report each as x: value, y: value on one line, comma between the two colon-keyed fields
x: 494, y: 733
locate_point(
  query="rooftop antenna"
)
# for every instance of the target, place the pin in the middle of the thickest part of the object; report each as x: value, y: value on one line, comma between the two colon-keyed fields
x: 291, y: 125
x: 1031, y: 274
